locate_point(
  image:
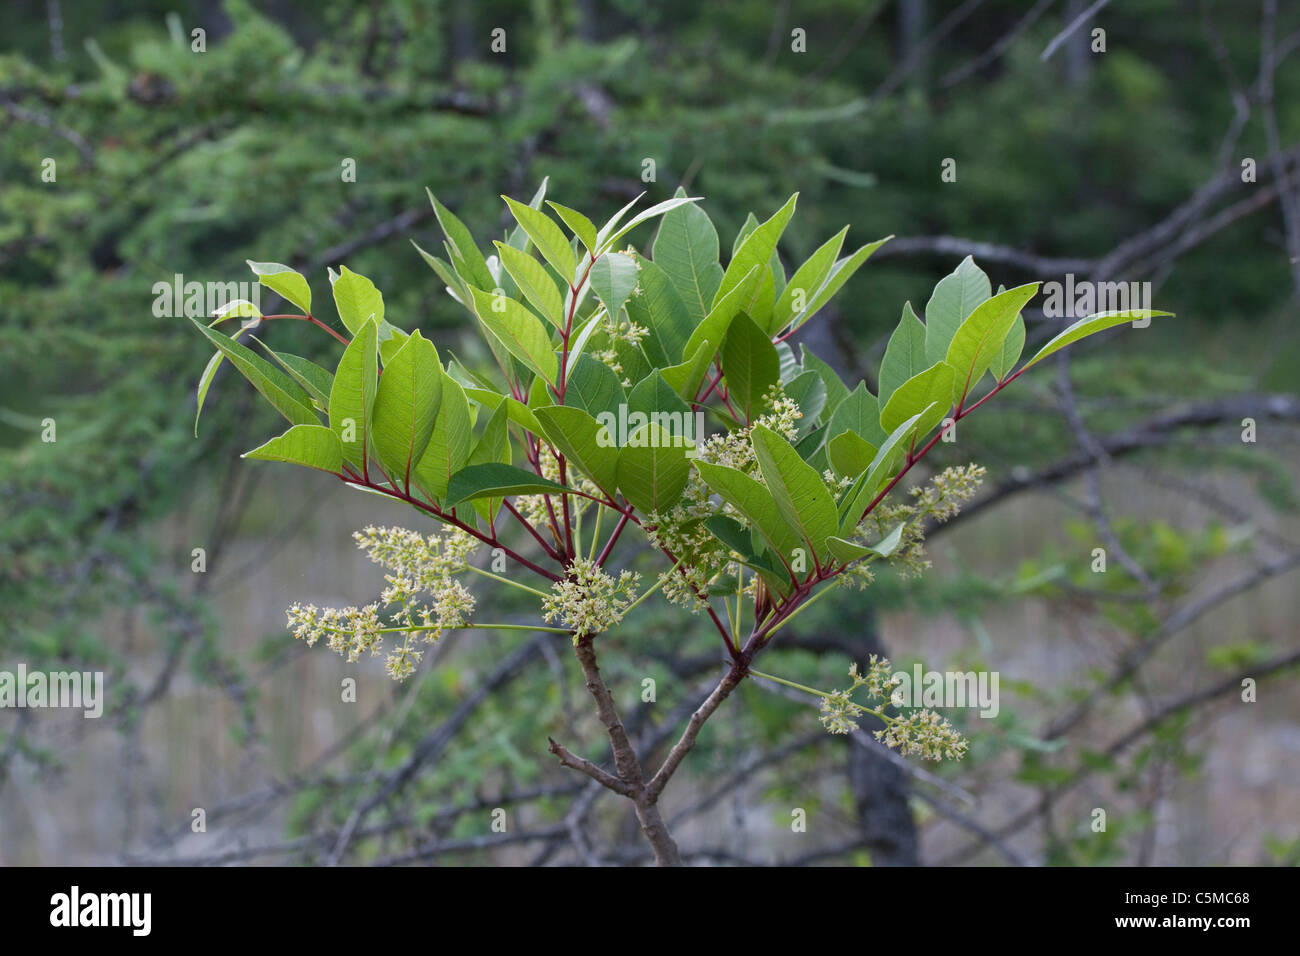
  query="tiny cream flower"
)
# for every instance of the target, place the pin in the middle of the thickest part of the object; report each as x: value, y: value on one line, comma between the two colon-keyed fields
x: 589, y: 601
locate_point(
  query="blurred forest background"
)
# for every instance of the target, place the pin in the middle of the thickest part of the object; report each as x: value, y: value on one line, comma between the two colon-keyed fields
x: 1173, y: 157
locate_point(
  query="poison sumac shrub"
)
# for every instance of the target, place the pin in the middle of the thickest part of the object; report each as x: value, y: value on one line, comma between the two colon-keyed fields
x: 612, y: 366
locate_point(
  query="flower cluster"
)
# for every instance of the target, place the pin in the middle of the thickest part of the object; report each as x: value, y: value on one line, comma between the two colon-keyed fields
x: 839, y: 709
x: 681, y: 531
x: 938, y: 500
x: 921, y: 733
x: 589, y: 600
x: 349, y: 631
x: 425, y: 599
x: 735, y: 450
x: 948, y: 491
x: 924, y: 733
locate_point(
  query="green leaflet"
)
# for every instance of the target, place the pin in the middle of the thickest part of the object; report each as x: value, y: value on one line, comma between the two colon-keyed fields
x: 613, y: 277
x: 686, y: 378
x: 593, y: 386
x: 719, y: 319
x: 954, y: 298
x: 578, y: 437
x: 850, y: 454
x: 660, y: 309
x: 456, y: 286
x: 493, y: 445
x: 613, y: 222
x: 979, y: 338
x: 534, y: 282
x: 732, y: 534
x: 356, y: 298
x: 312, y: 445
x: 799, y: 492
x: 858, y: 413
x: 653, y: 468
x: 805, y: 282
x: 1006, y: 357
x: 836, y: 390
x: 789, y: 364
x: 655, y: 398
x: 1089, y: 326
x: 283, y: 281
x: 578, y: 342
x: 746, y: 230
x: 492, y: 448
x: 316, y: 380
x: 686, y: 250
x: 606, y: 242
x: 352, y: 396
x: 406, y: 404
x: 808, y: 391
x: 741, y: 541
x: 388, y: 347
x: 288, y: 397
x: 466, y: 258
x: 236, y: 309
x: 905, y: 354
x: 517, y: 238
x: 846, y: 552
x: 210, y: 372
x: 449, y: 444
x: 840, y: 273
x: 519, y: 331
x: 546, y: 236
x: 516, y: 411
x: 756, y: 252
x: 495, y: 480
x: 578, y: 224
x: 931, y: 389
x: 750, y: 365
x: 856, y: 499
x: 752, y: 500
